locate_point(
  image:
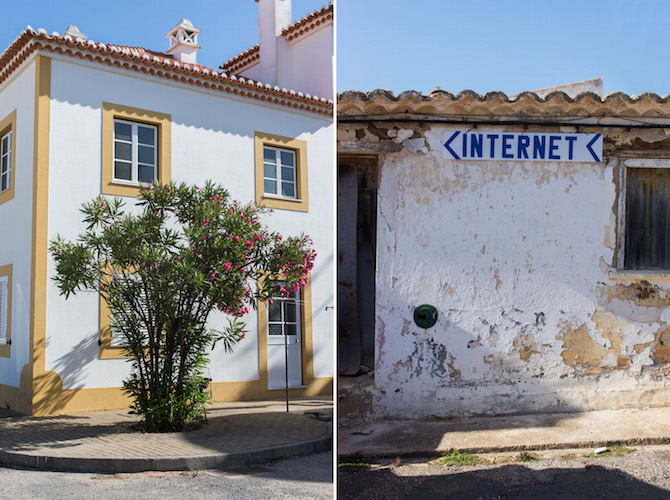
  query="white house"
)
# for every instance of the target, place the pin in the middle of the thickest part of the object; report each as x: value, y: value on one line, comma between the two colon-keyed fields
x: 506, y: 254
x: 65, y: 101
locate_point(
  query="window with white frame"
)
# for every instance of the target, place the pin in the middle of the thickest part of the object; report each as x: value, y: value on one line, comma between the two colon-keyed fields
x: 284, y: 315
x: 6, y: 161
x: 135, y: 152
x: 279, y: 172
x: 4, y: 309
x: 645, y: 215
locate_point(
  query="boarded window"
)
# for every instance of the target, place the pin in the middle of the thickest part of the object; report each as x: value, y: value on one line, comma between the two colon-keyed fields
x: 647, y: 233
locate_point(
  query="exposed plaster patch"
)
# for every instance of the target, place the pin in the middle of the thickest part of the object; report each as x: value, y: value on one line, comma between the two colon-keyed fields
x: 496, y: 275
x: 525, y: 345
x: 641, y: 294
x: 580, y: 351
x: 661, y: 350
x: 403, y: 134
x: 416, y: 145
x: 432, y: 358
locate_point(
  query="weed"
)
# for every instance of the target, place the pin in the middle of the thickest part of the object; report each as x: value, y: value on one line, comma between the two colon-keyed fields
x: 568, y: 456
x: 352, y: 463
x: 527, y: 456
x: 456, y: 457
x: 617, y: 450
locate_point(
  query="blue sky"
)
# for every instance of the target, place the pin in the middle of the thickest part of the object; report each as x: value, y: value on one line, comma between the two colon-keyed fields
x: 507, y: 45
x: 228, y: 26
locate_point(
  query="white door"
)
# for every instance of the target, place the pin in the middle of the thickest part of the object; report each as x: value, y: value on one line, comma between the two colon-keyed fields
x: 284, y: 342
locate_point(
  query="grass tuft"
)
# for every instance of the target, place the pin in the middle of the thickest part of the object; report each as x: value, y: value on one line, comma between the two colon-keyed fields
x: 455, y: 457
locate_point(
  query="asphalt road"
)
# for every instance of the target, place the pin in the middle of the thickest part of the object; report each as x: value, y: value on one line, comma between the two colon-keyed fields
x: 642, y: 474
x: 302, y: 477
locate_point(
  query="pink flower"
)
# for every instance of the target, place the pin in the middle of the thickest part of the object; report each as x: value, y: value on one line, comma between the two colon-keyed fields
x: 227, y: 265
x: 237, y: 238
x: 212, y: 275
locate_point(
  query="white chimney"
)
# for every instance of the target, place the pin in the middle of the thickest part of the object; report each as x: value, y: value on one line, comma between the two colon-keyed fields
x: 74, y: 32
x: 184, y: 41
x: 273, y: 17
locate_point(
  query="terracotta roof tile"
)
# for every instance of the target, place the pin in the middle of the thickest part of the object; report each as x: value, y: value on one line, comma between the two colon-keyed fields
x: 153, y: 63
x: 308, y: 23
x: 498, y: 104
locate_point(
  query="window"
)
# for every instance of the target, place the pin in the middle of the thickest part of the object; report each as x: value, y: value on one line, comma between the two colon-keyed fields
x: 644, y: 222
x: 284, y: 315
x: 5, y: 309
x: 135, y: 149
x: 6, y: 161
x: 279, y: 177
x: 135, y: 152
x: 111, y: 338
x: 281, y: 172
x: 7, y: 153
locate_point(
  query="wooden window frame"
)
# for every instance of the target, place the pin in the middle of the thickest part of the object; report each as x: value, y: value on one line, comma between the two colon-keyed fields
x: 299, y: 203
x: 162, y: 121
x: 621, y: 271
x: 8, y: 125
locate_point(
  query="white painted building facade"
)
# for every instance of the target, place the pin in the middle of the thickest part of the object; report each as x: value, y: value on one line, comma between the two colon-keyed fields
x: 530, y: 264
x: 59, y: 100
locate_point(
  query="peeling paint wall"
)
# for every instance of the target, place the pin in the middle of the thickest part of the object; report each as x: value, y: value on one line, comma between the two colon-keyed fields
x: 517, y: 257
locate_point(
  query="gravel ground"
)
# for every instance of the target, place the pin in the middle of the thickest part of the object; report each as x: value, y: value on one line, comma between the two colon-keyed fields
x: 302, y: 477
x: 559, y: 474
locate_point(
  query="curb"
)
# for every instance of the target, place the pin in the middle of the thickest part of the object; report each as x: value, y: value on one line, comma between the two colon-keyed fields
x: 650, y: 441
x: 196, y: 462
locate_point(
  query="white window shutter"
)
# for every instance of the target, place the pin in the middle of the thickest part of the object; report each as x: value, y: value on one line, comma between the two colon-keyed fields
x: 4, y: 313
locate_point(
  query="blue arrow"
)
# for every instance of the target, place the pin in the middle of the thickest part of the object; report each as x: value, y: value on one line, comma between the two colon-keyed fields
x: 446, y: 145
x: 588, y: 146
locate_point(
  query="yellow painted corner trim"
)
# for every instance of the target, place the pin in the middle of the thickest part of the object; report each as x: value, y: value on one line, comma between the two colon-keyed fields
x: 301, y: 204
x: 5, y: 350
x: 6, y: 124
x: 38, y: 285
x: 162, y: 120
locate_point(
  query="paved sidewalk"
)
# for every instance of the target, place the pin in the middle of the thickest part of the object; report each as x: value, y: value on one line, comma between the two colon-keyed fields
x: 513, y: 433
x: 237, y: 434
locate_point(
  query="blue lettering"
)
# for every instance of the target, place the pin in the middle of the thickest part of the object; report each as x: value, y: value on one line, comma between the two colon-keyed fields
x: 465, y: 145
x: 506, y: 146
x: 539, y: 146
x: 571, y: 139
x: 476, y: 145
x: 522, y: 145
x: 492, y: 140
x: 553, y: 147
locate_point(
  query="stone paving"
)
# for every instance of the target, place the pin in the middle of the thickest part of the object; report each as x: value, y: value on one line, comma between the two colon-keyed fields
x: 236, y: 433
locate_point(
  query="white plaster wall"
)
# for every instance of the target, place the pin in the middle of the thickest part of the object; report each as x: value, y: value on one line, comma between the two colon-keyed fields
x: 212, y: 138
x: 18, y: 92
x: 513, y: 257
x: 311, y: 71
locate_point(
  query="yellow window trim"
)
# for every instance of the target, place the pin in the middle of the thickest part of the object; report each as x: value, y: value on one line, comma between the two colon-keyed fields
x: 7, y: 124
x: 5, y: 349
x: 107, y: 350
x: 301, y: 204
x: 161, y: 120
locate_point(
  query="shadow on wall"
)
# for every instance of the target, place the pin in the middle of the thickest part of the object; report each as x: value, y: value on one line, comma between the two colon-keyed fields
x: 69, y: 371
